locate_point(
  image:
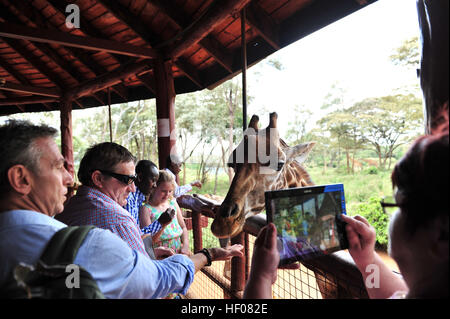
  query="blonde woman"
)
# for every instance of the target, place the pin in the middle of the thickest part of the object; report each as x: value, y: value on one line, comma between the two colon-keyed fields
x: 175, y: 234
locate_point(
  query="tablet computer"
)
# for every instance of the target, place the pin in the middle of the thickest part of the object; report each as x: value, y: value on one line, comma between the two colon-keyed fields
x: 308, y: 221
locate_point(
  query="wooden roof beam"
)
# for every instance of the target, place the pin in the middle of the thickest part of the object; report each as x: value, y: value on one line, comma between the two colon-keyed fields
x: 120, y: 12
x: 210, y: 44
x: 41, y: 22
x: 106, y: 80
x: 27, y: 100
x: 263, y: 24
x: 26, y: 9
x: 13, y: 72
x: 14, y: 87
x: 35, y: 61
x: 15, y: 31
x: 215, y: 16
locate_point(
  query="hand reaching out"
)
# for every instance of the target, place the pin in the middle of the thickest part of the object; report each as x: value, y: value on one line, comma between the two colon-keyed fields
x: 226, y: 253
x: 197, y: 184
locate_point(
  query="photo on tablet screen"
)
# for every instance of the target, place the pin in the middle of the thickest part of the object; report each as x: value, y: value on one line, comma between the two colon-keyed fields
x: 308, y: 221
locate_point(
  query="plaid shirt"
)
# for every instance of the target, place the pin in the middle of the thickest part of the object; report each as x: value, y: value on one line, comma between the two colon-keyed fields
x: 91, y: 207
x: 134, y: 203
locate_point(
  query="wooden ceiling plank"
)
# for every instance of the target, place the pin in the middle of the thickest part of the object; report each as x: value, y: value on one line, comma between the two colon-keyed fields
x: 10, y: 15
x: 206, y: 24
x: 148, y: 81
x: 118, y: 10
x: 11, y: 30
x: 27, y: 100
x: 34, y: 61
x: 65, y: 65
x: 13, y: 72
x: 210, y: 44
x: 86, y: 27
x: 108, y: 79
x: 189, y: 71
x: 263, y: 24
x: 14, y: 87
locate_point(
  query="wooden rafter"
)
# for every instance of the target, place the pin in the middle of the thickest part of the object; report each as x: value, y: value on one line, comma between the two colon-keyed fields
x: 14, y: 31
x: 45, y: 48
x: 263, y: 24
x: 209, y: 43
x: 39, y: 65
x: 89, y: 30
x: 206, y: 24
x: 27, y: 100
x: 107, y: 80
x: 119, y: 11
x: 14, y: 87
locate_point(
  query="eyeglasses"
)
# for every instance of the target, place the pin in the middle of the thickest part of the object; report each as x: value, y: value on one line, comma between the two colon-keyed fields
x: 388, y: 207
x: 126, y: 179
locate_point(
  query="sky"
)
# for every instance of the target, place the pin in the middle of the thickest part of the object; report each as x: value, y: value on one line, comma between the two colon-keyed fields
x: 352, y: 52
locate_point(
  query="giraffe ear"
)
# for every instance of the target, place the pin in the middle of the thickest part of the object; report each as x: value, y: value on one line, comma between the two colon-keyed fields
x: 273, y: 120
x: 299, y: 152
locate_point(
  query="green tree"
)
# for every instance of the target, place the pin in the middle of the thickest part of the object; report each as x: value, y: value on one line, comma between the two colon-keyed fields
x: 388, y: 122
x: 407, y: 54
x: 345, y: 132
x: 297, y: 130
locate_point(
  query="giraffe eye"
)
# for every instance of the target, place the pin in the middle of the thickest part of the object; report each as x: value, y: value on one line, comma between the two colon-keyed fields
x: 280, y: 166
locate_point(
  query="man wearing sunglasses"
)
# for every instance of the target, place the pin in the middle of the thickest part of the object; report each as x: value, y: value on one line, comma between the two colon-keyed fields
x: 107, y: 174
x: 33, y: 189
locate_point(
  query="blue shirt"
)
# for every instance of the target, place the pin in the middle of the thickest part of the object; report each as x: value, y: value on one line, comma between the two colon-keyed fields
x: 120, y: 272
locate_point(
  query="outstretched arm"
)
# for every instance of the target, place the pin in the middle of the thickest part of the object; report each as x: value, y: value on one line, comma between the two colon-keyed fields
x: 200, y: 260
x: 380, y: 281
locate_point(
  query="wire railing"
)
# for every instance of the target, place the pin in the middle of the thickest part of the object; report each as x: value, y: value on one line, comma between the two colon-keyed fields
x: 327, y: 277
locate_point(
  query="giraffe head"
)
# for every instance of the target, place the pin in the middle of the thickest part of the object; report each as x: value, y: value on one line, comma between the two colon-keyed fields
x: 262, y: 161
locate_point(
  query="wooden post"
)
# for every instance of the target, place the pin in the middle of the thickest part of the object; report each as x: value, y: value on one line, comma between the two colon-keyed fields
x: 244, y: 70
x: 165, y: 109
x: 197, y: 231
x: 238, y: 266
x: 66, y: 138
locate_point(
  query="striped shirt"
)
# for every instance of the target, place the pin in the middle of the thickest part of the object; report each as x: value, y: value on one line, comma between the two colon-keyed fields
x: 92, y: 207
x: 134, y: 203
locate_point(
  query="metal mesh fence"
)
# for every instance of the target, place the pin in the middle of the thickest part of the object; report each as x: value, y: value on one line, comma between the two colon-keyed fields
x: 290, y: 284
x: 293, y: 284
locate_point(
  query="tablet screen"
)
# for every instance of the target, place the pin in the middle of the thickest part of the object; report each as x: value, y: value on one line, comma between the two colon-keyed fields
x: 307, y: 220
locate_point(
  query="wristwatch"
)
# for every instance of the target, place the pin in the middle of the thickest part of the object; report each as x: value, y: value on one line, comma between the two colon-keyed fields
x: 205, y: 252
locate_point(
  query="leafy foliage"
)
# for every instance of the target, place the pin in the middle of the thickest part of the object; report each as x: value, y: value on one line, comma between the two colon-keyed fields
x: 373, y: 212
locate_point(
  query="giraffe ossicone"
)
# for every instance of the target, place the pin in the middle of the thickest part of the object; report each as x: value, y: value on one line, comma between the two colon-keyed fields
x: 262, y: 161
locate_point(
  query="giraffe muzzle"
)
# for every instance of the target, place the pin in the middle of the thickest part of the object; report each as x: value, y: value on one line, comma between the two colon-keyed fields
x: 228, y: 221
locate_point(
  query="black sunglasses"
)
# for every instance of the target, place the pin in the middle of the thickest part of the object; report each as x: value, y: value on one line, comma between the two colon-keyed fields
x: 126, y: 179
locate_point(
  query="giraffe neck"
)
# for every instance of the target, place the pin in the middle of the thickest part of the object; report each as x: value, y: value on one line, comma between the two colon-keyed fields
x: 292, y: 175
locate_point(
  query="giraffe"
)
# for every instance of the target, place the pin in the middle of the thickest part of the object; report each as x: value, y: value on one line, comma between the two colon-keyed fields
x: 254, y: 176
x: 256, y: 172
